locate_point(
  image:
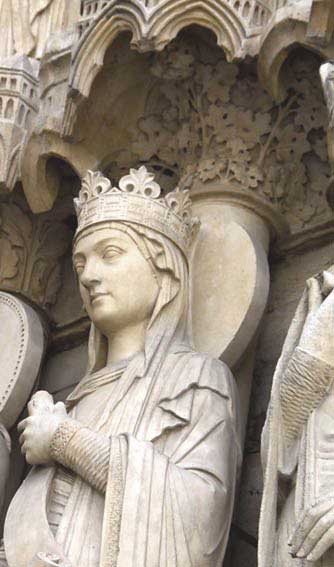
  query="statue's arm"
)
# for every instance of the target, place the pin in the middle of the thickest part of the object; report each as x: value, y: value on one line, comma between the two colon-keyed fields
x: 305, y: 383
x: 88, y: 453
x: 85, y: 452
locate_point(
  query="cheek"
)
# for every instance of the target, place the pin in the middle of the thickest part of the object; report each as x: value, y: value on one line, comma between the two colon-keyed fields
x: 148, y: 290
x: 84, y: 295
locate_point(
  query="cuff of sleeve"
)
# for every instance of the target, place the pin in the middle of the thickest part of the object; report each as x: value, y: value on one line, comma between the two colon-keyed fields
x: 306, y: 382
x: 61, y: 438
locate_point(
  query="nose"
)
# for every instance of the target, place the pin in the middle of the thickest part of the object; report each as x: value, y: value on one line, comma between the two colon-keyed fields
x: 89, y: 276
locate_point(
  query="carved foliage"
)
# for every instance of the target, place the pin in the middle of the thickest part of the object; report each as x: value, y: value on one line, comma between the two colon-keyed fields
x: 216, y: 122
x: 153, y: 25
x: 31, y: 247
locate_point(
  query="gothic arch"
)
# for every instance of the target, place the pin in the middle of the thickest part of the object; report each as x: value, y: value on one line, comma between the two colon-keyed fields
x: 151, y: 29
x: 219, y: 17
x: 280, y: 41
x: 40, y: 182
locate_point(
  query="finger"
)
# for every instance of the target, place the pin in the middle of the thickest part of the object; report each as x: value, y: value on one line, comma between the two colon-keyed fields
x: 23, y: 424
x: 323, y: 545
x: 22, y: 438
x: 41, y: 402
x: 314, y: 295
x: 308, y: 519
x: 24, y: 448
x: 316, y: 534
x: 31, y: 459
x: 60, y: 409
x: 42, y: 397
x: 31, y: 406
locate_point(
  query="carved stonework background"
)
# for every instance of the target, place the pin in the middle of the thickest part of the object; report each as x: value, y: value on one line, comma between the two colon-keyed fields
x: 212, y: 93
x: 212, y: 121
x: 31, y: 248
x: 254, y: 14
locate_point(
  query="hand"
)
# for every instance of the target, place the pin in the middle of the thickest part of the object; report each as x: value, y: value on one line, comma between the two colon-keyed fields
x: 314, y: 533
x: 38, y: 430
x: 318, y: 335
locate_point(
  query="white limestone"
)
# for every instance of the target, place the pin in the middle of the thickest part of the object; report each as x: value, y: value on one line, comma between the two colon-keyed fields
x: 151, y: 441
x: 297, y: 439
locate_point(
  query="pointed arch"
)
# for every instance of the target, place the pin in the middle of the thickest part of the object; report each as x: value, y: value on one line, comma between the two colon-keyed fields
x: 152, y: 28
x: 282, y: 38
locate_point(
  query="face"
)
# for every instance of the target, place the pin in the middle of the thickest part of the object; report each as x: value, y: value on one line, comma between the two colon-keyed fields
x: 117, y: 285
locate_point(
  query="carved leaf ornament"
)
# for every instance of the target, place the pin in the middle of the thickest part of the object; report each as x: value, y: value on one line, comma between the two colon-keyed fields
x: 30, y: 249
x: 217, y: 123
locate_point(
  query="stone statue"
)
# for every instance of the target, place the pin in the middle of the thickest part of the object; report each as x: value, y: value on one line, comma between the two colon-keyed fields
x: 297, y: 513
x: 139, y: 468
x: 26, y: 25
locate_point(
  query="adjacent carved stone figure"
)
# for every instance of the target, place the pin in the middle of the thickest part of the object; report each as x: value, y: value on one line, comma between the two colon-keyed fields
x: 297, y: 515
x: 141, y: 471
x: 26, y: 25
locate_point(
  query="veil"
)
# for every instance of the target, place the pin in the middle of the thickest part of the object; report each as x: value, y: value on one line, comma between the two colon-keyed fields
x: 170, y: 322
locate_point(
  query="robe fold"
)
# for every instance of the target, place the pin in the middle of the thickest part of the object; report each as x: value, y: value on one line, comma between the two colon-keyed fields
x: 174, y: 457
x: 300, y: 472
x: 26, y: 25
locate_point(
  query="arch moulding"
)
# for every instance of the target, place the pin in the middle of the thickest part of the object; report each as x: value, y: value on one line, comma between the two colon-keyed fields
x: 236, y: 25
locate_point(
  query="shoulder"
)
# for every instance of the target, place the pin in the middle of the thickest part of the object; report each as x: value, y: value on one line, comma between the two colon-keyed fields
x: 205, y: 371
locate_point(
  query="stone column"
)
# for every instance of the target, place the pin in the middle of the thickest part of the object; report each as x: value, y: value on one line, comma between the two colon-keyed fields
x: 230, y: 275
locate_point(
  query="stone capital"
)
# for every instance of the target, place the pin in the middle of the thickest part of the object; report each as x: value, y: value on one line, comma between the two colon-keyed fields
x: 31, y: 249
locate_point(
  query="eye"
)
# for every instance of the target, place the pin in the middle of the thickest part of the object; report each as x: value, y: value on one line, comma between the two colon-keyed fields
x: 111, y: 252
x: 79, y: 267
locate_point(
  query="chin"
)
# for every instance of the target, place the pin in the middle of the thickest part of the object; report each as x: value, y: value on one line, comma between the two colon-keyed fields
x: 104, y: 320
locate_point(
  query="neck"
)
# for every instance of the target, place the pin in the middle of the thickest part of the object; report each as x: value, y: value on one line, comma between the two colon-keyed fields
x: 126, y: 342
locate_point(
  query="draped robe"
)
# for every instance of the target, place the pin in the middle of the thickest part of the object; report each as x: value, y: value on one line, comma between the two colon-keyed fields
x: 26, y: 25
x: 300, y: 472
x: 174, y: 456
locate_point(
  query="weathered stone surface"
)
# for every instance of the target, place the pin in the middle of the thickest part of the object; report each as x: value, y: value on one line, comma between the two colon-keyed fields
x: 62, y: 371
x: 146, y: 397
x: 190, y: 102
x: 288, y: 276
x: 22, y: 345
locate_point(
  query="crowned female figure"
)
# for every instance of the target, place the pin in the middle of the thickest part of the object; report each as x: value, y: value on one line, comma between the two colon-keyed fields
x: 139, y: 469
x: 297, y: 512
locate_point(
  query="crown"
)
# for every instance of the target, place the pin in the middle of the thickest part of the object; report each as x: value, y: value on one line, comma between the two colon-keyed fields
x: 137, y: 199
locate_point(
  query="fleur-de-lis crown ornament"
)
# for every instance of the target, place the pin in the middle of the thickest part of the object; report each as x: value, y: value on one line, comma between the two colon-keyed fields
x: 137, y: 199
